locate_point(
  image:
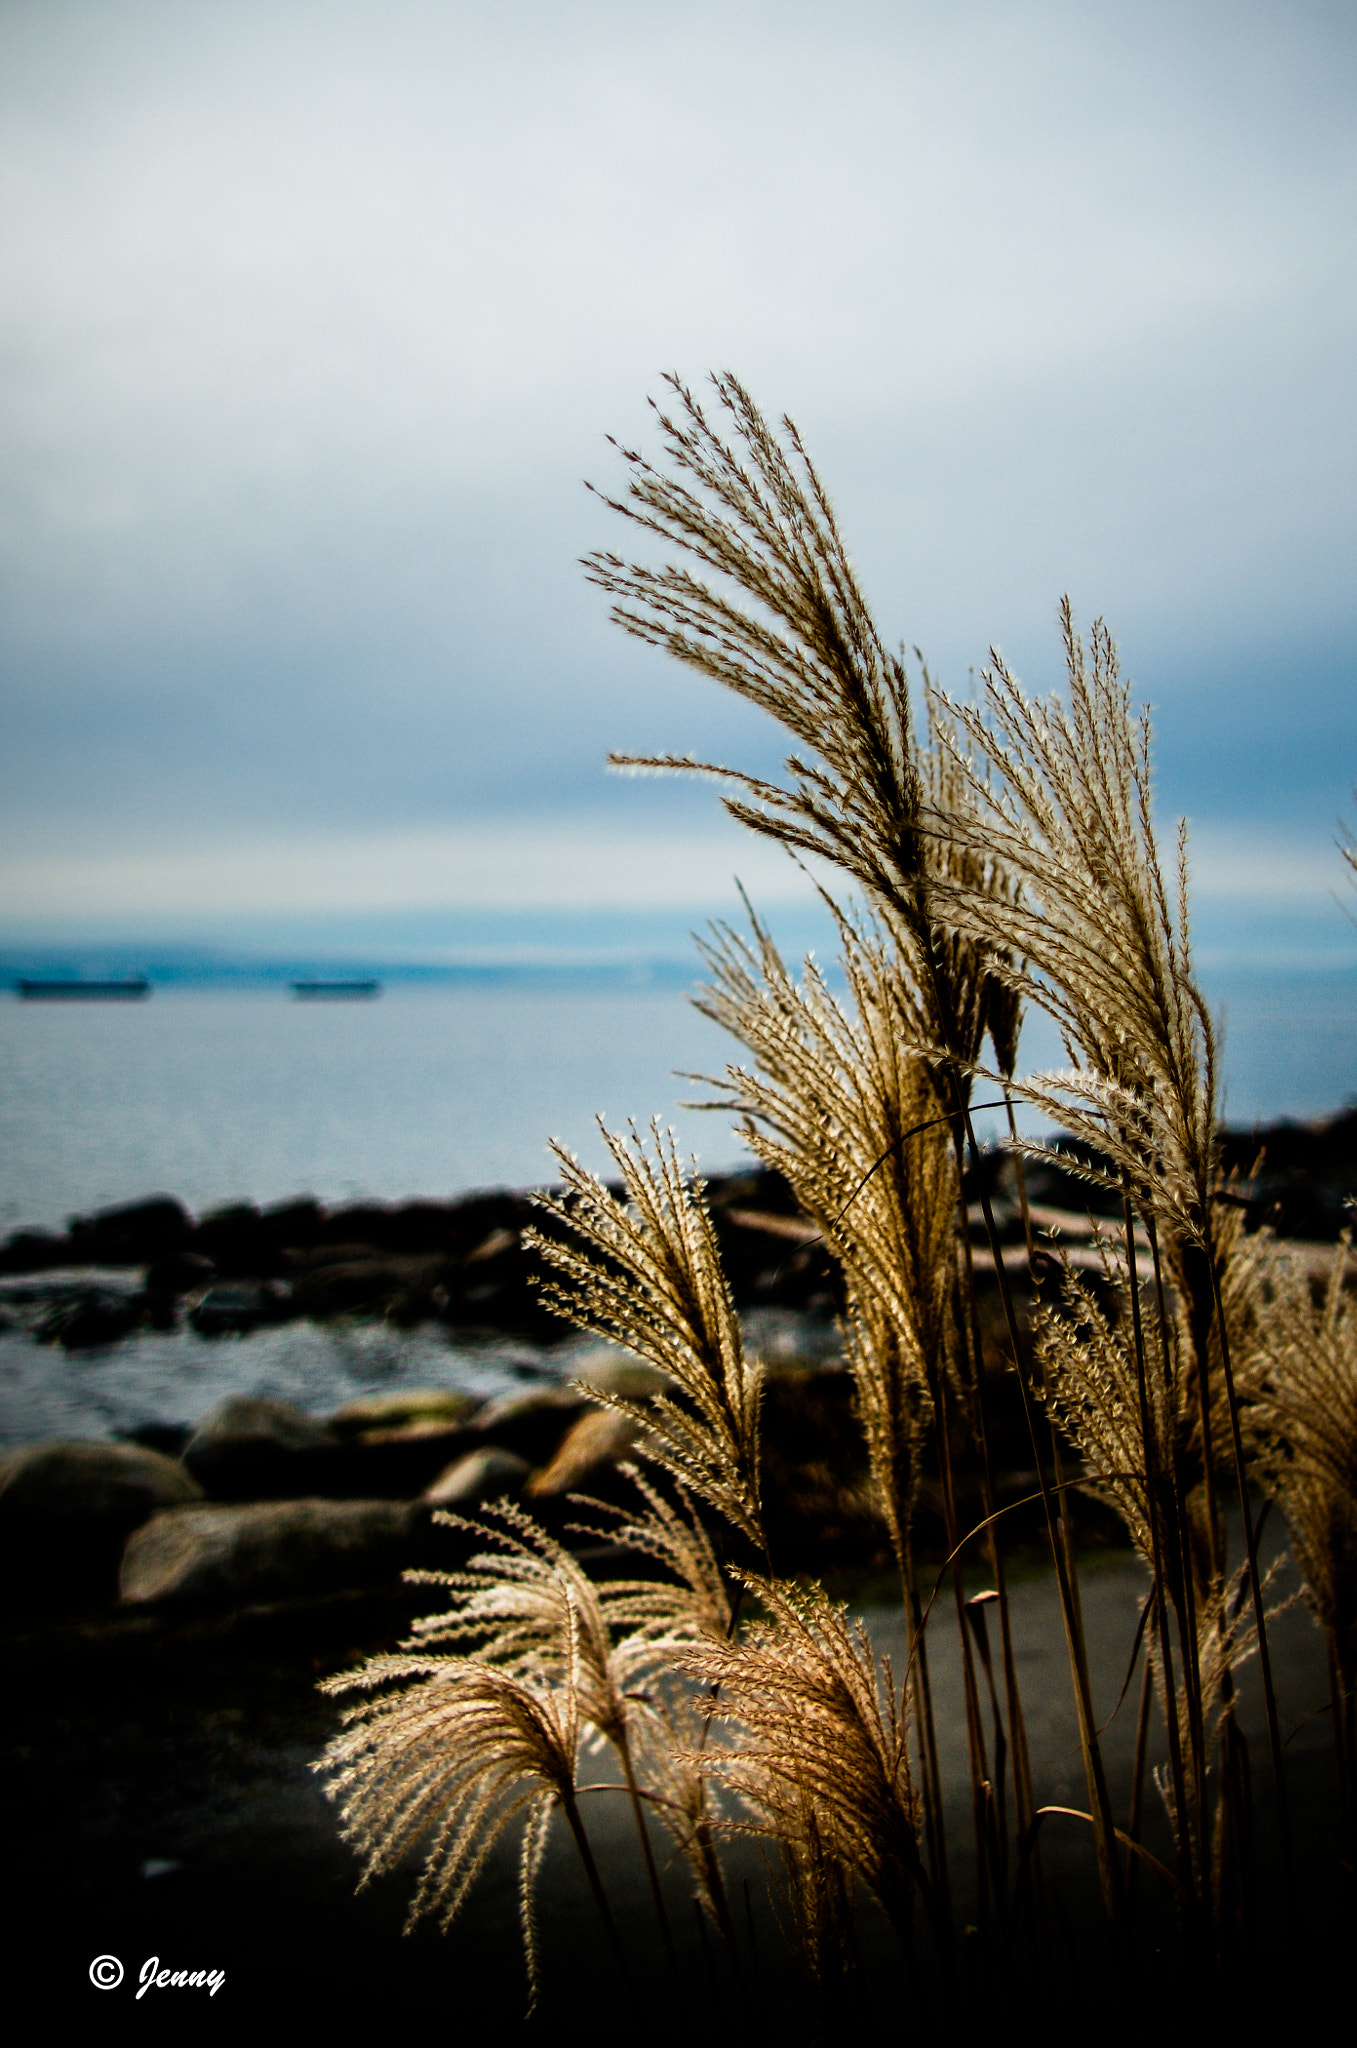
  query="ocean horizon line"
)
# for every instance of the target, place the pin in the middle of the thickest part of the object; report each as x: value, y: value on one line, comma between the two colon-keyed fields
x: 190, y: 970
x: 531, y: 964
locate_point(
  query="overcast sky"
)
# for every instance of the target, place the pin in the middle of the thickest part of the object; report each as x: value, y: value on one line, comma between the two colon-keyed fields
x: 316, y: 317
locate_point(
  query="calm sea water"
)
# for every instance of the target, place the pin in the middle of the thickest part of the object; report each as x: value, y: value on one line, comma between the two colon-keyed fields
x: 225, y: 1095
x: 222, y: 1095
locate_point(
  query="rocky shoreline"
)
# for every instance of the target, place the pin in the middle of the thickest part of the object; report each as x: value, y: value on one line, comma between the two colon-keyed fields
x: 259, y: 1500
x: 171, y: 1598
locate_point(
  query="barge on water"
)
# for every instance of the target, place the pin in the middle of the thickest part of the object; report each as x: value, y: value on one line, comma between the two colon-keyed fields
x: 335, y: 991
x: 83, y: 991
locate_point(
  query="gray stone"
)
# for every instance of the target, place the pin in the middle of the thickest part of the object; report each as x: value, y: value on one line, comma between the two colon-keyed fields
x: 613, y: 1370
x: 270, y: 1550
x: 342, y: 1286
x: 66, y: 1510
x: 92, y: 1320
x: 531, y: 1424
x: 481, y: 1475
x: 119, y: 1482
x: 586, y: 1459
x: 397, y: 1464
x: 179, y: 1273
x: 237, y: 1306
x: 253, y: 1448
x: 416, y: 1407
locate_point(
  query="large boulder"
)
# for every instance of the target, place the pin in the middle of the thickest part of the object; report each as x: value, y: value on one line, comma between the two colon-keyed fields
x: 66, y: 1510
x: 57, y: 1480
x: 389, y: 1284
x: 236, y: 1306
x: 533, y: 1423
x: 237, y: 1240
x: 130, y: 1235
x: 414, y: 1407
x: 609, y: 1369
x: 34, y: 1251
x: 481, y: 1475
x: 88, y: 1320
x: 394, y: 1445
x: 267, y: 1551
x: 253, y: 1448
x: 493, y: 1286
x: 179, y: 1273
x: 586, y: 1459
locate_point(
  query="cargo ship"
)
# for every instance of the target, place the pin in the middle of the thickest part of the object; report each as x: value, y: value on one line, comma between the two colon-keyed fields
x: 83, y: 991
x: 335, y: 991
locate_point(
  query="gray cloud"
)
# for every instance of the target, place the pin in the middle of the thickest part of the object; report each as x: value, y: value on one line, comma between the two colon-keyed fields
x: 314, y: 317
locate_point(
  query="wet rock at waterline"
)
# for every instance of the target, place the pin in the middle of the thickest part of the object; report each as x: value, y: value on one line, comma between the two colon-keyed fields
x: 90, y: 1319
x: 462, y: 1262
x: 132, y: 1234
x: 407, y: 1288
x: 435, y: 1407
x: 398, y: 1464
x: 179, y: 1273
x: 487, y: 1474
x: 531, y: 1424
x: 586, y: 1459
x: 252, y: 1448
x: 237, y: 1306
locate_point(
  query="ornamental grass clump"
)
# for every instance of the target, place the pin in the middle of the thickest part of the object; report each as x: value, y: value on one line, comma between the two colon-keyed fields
x: 1002, y: 855
x: 821, y: 1763
x: 1060, y: 794
x: 763, y: 599
x: 1302, y: 1384
x: 447, y: 1756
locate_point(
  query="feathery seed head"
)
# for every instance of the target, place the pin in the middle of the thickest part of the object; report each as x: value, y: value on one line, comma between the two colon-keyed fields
x: 647, y: 1273
x: 822, y: 1755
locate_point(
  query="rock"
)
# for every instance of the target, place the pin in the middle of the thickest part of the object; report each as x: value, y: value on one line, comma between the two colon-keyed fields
x: 365, y: 1283
x: 169, y: 1437
x: 818, y: 1500
x: 272, y: 1550
x: 66, y: 1510
x: 266, y: 1450
x: 34, y: 1251
x: 775, y: 1260
x: 409, y: 1227
x: 612, y: 1370
x: 124, y: 1481
x: 436, y: 1406
x: 238, y: 1306
x: 416, y: 1305
x: 397, y: 1464
x: 251, y: 1448
x: 493, y: 1285
x: 179, y: 1273
x: 481, y: 1475
x: 294, y: 1222
x: 237, y: 1241
x: 586, y: 1459
x: 93, y: 1318
x: 131, y: 1235
x: 532, y: 1424
x: 159, y: 1311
